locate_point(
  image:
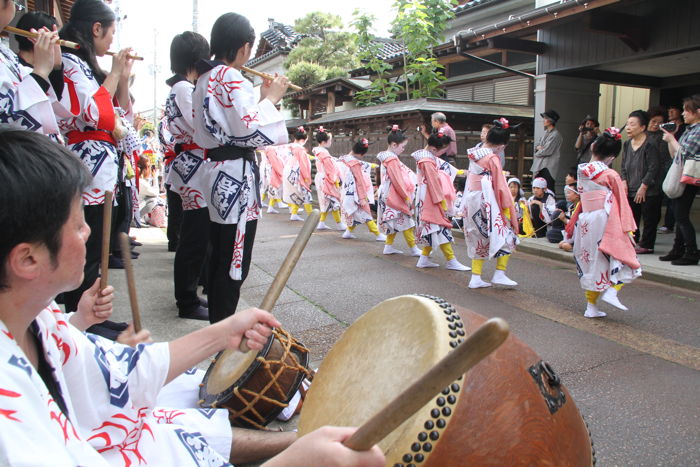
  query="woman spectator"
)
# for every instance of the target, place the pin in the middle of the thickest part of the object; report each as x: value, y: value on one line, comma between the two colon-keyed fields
x: 685, y: 248
x: 151, y: 203
x: 657, y: 116
x: 641, y: 175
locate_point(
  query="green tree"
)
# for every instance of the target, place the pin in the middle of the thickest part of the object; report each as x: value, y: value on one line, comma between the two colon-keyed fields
x: 326, y: 53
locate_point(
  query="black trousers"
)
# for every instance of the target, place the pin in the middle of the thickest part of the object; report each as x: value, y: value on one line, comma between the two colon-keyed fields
x: 93, y: 218
x: 190, y: 257
x: 685, y: 232
x: 121, y: 219
x: 224, y: 292
x: 174, y: 218
x: 544, y: 173
x: 669, y: 219
x: 537, y: 223
x: 647, y: 216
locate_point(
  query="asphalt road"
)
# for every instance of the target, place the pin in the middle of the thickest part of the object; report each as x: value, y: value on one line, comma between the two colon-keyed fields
x: 634, y: 375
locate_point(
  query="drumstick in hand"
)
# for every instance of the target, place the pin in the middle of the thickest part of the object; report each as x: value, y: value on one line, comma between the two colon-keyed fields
x: 106, y: 237
x: 485, y: 340
x: 130, y: 280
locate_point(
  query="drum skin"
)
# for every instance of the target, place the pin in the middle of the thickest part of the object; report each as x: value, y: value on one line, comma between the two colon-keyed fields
x: 510, y: 409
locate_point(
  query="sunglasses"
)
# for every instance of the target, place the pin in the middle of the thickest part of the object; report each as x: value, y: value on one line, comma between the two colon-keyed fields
x: 20, y: 4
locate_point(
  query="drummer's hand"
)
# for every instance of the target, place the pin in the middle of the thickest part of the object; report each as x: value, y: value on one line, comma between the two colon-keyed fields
x: 324, y: 447
x: 255, y: 324
x: 132, y: 339
x: 95, y: 306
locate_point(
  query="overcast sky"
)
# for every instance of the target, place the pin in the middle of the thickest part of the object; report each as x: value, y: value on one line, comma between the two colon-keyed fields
x: 149, y: 26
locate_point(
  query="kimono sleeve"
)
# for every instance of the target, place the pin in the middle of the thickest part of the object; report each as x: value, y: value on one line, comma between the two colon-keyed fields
x: 182, y: 123
x: 396, y: 178
x: 432, y: 181
x: 83, y: 97
x: 24, y: 104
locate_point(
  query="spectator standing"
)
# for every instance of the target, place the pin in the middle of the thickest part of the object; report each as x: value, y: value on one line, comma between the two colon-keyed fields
x: 641, y: 176
x: 439, y: 123
x: 656, y: 118
x: 685, y: 248
x: 545, y: 162
x: 675, y: 116
x: 588, y: 131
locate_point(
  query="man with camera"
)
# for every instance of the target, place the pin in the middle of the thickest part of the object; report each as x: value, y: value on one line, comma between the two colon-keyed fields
x: 588, y: 131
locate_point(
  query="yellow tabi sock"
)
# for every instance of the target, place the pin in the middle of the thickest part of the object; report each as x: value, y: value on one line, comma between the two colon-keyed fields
x: 410, y: 237
x: 502, y: 262
x: 447, y: 251
x: 274, y: 202
x: 336, y: 216
x: 372, y: 226
x: 427, y: 250
x: 323, y: 216
x: 618, y: 286
x: 308, y: 208
x: 263, y: 197
x: 477, y: 266
x: 592, y: 296
x: 390, y: 239
x: 351, y: 228
x: 294, y: 208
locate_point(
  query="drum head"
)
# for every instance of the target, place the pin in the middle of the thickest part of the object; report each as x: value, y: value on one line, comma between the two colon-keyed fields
x: 228, y: 368
x: 380, y: 355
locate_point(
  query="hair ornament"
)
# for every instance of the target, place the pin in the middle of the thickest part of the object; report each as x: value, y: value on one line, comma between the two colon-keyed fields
x: 301, y: 129
x: 395, y: 128
x: 614, y: 133
x: 502, y: 123
x: 365, y: 142
x: 321, y: 129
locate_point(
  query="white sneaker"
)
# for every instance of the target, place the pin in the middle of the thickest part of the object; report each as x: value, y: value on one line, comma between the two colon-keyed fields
x: 456, y: 265
x: 500, y: 278
x: 296, y: 217
x: 476, y: 282
x: 424, y: 262
x: 380, y: 238
x: 322, y: 226
x: 415, y: 251
x: 347, y: 234
x: 592, y: 311
x: 271, y: 210
x: 610, y: 296
x: 390, y: 250
x: 342, y: 226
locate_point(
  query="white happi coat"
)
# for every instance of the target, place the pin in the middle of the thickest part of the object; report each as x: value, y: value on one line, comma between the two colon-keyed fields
x: 548, y: 207
x: 92, y: 109
x: 351, y: 203
x: 227, y: 113
x: 428, y: 233
x: 325, y: 165
x: 185, y: 174
x: 391, y: 220
x: 23, y: 103
x: 596, y: 270
x: 487, y: 232
x: 293, y: 190
x: 111, y: 392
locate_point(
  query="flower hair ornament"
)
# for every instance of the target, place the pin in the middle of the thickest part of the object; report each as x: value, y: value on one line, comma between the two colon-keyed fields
x: 502, y: 122
x: 301, y: 129
x: 614, y: 133
x: 365, y: 142
x: 321, y: 129
x: 440, y: 134
x: 395, y: 128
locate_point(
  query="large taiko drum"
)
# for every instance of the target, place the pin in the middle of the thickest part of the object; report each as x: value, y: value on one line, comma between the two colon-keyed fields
x: 256, y: 387
x: 510, y: 409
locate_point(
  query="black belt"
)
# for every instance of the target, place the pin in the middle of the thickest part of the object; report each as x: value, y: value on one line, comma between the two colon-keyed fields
x: 232, y: 153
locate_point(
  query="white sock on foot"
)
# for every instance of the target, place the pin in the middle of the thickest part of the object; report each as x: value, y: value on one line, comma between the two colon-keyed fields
x: 500, y: 278
x: 390, y: 250
x: 456, y: 265
x: 610, y: 296
x: 592, y: 311
x: 476, y: 282
x: 424, y: 262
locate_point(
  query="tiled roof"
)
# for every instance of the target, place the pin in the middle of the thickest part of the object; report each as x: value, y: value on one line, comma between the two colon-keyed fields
x: 389, y: 48
x: 281, y: 36
x: 464, y: 8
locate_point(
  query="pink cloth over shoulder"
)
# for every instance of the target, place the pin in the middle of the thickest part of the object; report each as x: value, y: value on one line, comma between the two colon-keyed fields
x: 435, y: 194
x: 276, y: 165
x: 402, y: 188
x: 360, y: 182
x: 304, y: 165
x: 324, y: 161
x: 492, y: 163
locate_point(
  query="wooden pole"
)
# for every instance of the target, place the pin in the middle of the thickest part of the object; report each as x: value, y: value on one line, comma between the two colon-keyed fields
x: 106, y: 237
x: 130, y: 280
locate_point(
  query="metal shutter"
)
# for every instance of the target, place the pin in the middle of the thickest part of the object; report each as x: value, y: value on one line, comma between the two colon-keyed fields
x: 464, y: 92
x: 512, y: 91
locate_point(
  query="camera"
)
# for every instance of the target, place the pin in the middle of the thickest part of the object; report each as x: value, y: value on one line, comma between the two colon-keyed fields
x: 670, y: 127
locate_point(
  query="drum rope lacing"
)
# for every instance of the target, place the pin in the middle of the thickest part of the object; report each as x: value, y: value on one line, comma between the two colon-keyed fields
x: 243, y: 394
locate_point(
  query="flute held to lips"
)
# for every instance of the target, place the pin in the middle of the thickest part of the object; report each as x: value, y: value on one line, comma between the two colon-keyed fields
x: 267, y: 76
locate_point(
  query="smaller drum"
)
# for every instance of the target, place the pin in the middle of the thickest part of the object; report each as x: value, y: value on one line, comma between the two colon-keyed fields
x: 255, y: 388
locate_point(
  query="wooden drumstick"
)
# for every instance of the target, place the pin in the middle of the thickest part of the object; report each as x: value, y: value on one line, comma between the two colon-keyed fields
x: 106, y: 237
x: 268, y: 76
x: 280, y: 280
x: 130, y: 280
x: 485, y: 340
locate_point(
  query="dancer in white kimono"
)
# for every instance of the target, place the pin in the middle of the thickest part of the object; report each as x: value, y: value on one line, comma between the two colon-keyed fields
x: 601, y: 228
x: 327, y: 180
x: 229, y: 123
x: 186, y: 174
x: 490, y: 220
x: 90, y: 94
x: 296, y: 178
x: 275, y: 159
x: 396, y: 195
x: 68, y: 398
x: 435, y: 202
x: 357, y: 193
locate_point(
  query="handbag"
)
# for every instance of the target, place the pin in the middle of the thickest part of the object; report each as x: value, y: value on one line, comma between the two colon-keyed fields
x: 691, y: 172
x: 672, y: 185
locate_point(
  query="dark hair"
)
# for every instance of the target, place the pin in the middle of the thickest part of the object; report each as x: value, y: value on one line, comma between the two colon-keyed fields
x: 640, y: 115
x: 300, y: 133
x: 322, y: 135
x: 186, y: 50
x: 396, y: 134
x: 83, y: 15
x: 573, y: 173
x: 39, y: 180
x: 361, y: 146
x: 36, y: 20
x: 657, y: 112
x: 230, y: 32
x: 692, y: 103
x: 438, y: 140
x: 498, y: 135
x: 606, y: 145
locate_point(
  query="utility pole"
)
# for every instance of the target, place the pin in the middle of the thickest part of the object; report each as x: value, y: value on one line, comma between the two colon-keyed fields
x: 155, y: 80
x: 195, y: 15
